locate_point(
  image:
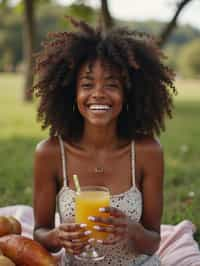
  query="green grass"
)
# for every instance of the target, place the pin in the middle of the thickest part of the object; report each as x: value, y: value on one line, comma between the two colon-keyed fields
x: 19, y: 133
x: 18, y: 136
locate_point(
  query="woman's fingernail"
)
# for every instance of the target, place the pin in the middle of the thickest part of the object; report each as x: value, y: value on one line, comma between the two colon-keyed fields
x: 99, y: 241
x: 87, y: 232
x: 96, y: 227
x: 83, y: 225
x: 91, y: 218
x: 75, y: 240
x: 102, y: 209
x: 87, y: 247
x: 70, y: 250
x: 91, y: 240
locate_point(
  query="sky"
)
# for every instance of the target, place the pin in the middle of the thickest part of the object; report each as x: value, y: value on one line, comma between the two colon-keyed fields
x: 150, y: 9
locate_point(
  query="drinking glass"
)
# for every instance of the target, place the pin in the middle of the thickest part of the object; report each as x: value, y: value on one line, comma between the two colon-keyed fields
x: 87, y: 203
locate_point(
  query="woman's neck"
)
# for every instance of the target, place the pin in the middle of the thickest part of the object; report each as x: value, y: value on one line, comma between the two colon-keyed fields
x: 96, y: 138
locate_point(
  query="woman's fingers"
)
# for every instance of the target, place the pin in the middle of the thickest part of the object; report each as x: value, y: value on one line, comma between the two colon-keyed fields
x: 73, y: 251
x: 111, y: 241
x: 111, y: 229
x: 71, y: 227
x: 112, y: 211
x: 75, y: 245
x: 108, y: 220
x: 74, y: 235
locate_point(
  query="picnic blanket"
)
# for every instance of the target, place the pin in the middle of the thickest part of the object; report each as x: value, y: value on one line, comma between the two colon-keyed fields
x: 177, y: 246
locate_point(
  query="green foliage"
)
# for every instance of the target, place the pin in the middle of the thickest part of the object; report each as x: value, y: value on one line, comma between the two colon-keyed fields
x: 53, y: 19
x: 82, y: 11
x: 10, y: 38
x: 184, y: 34
x: 189, y: 59
x: 50, y: 17
x: 20, y: 133
x: 5, y: 4
x: 181, y: 34
x: 171, y: 51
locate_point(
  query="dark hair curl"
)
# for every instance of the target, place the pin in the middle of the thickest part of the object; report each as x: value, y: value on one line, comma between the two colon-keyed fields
x: 148, y: 83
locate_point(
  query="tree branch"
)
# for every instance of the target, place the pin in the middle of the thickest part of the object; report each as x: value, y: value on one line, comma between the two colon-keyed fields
x: 106, y: 20
x: 172, y: 24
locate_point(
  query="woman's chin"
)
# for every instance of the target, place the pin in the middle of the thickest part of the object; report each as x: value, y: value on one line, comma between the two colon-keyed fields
x: 100, y: 123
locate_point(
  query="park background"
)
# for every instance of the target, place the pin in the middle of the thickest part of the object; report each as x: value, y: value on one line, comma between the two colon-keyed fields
x: 24, y: 24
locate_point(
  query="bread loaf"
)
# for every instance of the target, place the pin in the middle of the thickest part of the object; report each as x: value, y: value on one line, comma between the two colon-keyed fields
x: 9, y: 225
x: 25, y: 252
x: 4, y: 261
x: 16, y: 226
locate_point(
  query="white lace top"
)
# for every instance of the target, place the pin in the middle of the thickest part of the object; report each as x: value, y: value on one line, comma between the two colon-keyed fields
x: 129, y: 202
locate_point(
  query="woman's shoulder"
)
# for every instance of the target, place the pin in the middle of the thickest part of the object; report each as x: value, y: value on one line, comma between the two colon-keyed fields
x: 148, y: 145
x: 47, y: 147
x: 150, y: 157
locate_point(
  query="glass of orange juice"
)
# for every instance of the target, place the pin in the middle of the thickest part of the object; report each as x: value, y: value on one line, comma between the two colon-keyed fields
x: 87, y: 203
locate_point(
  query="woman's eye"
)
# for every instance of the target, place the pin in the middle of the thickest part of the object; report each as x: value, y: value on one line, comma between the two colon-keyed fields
x: 86, y: 85
x: 112, y: 86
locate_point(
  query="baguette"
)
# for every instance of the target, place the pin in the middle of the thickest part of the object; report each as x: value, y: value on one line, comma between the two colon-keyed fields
x: 16, y: 226
x: 4, y: 261
x: 25, y: 252
x: 9, y: 225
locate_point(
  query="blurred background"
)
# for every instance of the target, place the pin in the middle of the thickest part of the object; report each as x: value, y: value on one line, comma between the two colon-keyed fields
x: 175, y: 24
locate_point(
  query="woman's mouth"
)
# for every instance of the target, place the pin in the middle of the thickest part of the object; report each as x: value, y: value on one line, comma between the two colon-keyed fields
x: 99, y: 108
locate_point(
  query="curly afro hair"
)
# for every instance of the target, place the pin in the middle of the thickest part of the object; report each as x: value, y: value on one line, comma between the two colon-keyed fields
x: 148, y: 83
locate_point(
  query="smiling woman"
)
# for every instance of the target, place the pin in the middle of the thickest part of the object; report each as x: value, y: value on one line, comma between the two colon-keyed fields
x: 104, y: 98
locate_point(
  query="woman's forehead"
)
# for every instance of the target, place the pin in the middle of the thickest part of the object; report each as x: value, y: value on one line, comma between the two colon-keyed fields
x: 89, y: 67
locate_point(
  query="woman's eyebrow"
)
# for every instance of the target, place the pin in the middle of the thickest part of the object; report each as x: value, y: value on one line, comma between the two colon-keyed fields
x: 111, y: 77
x: 85, y: 76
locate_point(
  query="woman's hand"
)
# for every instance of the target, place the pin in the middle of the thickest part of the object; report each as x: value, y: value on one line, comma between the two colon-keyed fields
x: 73, y: 237
x: 118, y: 225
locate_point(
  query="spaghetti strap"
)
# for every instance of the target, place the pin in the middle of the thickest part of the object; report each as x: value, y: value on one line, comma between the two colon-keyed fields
x: 133, y: 162
x: 63, y: 161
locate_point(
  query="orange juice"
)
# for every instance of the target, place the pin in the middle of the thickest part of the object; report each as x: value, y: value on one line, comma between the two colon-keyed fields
x: 87, y: 204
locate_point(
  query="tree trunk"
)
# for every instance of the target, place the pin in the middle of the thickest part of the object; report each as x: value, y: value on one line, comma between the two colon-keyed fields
x: 172, y: 24
x: 106, y: 20
x: 29, y: 35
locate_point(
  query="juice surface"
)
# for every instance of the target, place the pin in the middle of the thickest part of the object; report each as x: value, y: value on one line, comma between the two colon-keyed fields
x: 88, y: 204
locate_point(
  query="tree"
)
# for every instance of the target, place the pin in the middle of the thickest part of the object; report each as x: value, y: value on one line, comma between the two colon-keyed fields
x: 29, y: 40
x: 105, y: 19
x: 81, y: 10
x: 29, y: 28
x: 166, y: 32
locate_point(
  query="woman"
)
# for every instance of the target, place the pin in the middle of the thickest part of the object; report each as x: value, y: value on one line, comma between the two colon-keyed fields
x: 104, y: 98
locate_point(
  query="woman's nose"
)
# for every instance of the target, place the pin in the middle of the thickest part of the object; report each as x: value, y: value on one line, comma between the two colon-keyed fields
x: 98, y: 92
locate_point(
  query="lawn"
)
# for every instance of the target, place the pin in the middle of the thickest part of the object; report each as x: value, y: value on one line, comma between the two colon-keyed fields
x: 20, y: 132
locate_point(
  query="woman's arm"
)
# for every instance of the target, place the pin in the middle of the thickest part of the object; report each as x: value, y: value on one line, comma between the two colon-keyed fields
x: 146, y: 235
x: 73, y: 237
x: 44, y: 196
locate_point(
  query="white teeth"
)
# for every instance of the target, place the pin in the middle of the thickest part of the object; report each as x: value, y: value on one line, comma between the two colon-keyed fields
x: 99, y: 107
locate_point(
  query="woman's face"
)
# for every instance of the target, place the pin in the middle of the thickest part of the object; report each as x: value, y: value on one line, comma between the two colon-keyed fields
x: 99, y: 93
